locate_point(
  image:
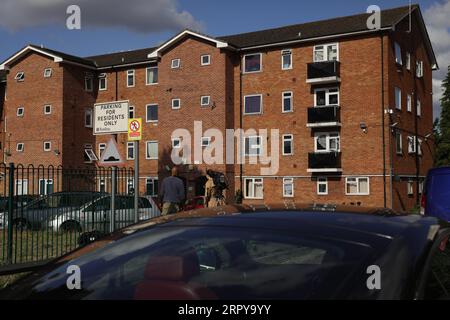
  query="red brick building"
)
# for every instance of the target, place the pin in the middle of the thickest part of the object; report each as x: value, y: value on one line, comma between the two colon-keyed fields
x: 353, y: 107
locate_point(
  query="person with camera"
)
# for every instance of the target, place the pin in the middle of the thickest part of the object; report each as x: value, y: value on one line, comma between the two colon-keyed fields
x: 172, y: 193
x: 214, y: 187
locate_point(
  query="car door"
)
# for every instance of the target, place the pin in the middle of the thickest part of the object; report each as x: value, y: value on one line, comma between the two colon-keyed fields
x: 97, y: 214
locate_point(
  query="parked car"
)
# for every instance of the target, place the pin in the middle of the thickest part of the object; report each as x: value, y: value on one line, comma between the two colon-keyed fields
x: 19, y: 201
x: 436, y: 194
x: 257, y: 253
x: 194, y: 203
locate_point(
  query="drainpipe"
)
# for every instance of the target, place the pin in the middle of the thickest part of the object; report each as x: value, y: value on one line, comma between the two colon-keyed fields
x: 383, y: 134
x: 241, y: 180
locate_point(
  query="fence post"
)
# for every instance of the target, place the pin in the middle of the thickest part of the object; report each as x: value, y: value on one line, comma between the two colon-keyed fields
x: 10, y: 212
x: 136, y: 182
x: 113, y: 200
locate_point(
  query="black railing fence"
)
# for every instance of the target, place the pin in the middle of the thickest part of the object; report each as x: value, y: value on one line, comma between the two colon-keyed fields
x: 46, y: 212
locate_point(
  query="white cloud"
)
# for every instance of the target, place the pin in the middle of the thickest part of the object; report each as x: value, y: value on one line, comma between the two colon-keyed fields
x: 136, y: 15
x: 438, y: 25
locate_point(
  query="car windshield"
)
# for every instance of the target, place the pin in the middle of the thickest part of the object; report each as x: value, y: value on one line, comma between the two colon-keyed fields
x: 62, y: 200
x: 210, y: 262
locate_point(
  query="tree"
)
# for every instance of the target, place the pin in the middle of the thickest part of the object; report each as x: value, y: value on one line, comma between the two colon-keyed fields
x: 442, y: 133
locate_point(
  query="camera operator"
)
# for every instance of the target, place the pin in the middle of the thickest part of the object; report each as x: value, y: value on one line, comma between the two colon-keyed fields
x: 214, y: 187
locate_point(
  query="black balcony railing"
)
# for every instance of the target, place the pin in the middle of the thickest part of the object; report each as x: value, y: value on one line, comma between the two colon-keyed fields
x: 324, y: 69
x: 324, y: 114
x: 328, y: 160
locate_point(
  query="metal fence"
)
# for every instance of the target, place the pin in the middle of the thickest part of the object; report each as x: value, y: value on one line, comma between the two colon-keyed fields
x: 46, y: 212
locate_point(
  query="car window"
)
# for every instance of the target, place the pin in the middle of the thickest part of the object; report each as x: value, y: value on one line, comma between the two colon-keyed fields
x: 99, y: 205
x: 144, y: 203
x: 438, y: 281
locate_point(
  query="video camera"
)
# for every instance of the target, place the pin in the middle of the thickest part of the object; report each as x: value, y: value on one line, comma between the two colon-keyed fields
x: 220, y: 182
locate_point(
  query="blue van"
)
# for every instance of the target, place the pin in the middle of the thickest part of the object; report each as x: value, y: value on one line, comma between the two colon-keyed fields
x: 436, y: 194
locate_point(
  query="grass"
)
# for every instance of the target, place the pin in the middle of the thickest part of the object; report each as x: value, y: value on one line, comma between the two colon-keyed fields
x: 8, y: 280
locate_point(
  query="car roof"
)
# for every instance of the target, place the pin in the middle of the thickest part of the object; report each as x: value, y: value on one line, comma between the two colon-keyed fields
x: 440, y: 170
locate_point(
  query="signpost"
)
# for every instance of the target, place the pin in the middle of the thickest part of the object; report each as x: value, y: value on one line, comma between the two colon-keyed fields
x: 135, y: 134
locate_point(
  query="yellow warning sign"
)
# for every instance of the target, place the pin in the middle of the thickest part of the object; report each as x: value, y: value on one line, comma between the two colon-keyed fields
x: 135, y: 129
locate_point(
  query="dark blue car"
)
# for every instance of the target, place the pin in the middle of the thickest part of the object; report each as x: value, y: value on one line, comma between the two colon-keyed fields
x: 436, y: 195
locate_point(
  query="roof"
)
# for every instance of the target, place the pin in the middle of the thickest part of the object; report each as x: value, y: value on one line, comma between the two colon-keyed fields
x: 65, y: 56
x: 121, y: 58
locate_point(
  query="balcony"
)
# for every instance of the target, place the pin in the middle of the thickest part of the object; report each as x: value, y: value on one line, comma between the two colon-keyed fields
x: 323, y: 72
x: 319, y: 162
x: 329, y: 116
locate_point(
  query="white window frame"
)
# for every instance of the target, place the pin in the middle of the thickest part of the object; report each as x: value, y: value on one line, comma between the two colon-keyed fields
x: 20, y: 76
x: 398, y: 54
x: 359, y: 193
x: 260, y: 106
x: 89, y: 152
x: 419, y: 69
x: 147, y: 113
x: 410, y: 188
x: 412, y: 145
x: 205, y: 104
x: 50, y: 146
x: 48, y: 72
x: 409, y: 103
x: 89, y: 83
x: 285, y: 138
x: 131, y: 112
x: 207, y: 140
x: 325, y: 51
x: 101, y: 148
x: 286, y: 182
x: 132, y: 73
x: 254, y: 146
x: 173, y: 143
x: 419, y: 108
x: 175, y: 63
x: 20, y: 112
x: 328, y: 138
x: 102, y: 76
x: 23, y: 183
x: 146, y: 149
x: 179, y: 104
x: 45, y: 109
x: 286, y: 52
x: 253, y: 184
x: 260, y: 63
x: 398, y: 138
x: 408, y: 61
x: 47, y: 182
x: 322, y: 181
x: 146, y: 76
x: 20, y: 147
x: 131, y: 144
x: 101, y: 182
x: 287, y: 95
x: 398, y: 95
x: 204, y: 56
x: 90, y: 112
x: 327, y: 96
x: 154, y: 190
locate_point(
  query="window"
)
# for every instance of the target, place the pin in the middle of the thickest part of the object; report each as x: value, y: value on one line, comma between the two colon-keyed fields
x: 205, y: 101
x: 176, y: 143
x: 412, y: 145
x: 152, y: 76
x: 253, y: 188
x: 130, y: 190
x: 152, y: 150
x: 288, y: 187
x: 45, y: 186
x: 252, y: 63
x: 47, y: 146
x: 205, y: 60
x: 409, y: 103
x: 176, y: 103
x: 419, y: 69
x: 253, y: 104
x: 20, y: 147
x: 288, y: 149
x: 48, y: 72
x: 152, y: 113
x: 286, y: 59
x: 20, y: 76
x: 102, y: 185
x: 151, y: 187
x: 89, y: 154
x: 419, y: 150
x: 130, y: 78
x: 357, y: 186
x: 130, y: 150
x: 175, y: 64
x: 47, y: 109
x: 327, y: 52
x: 131, y: 112
x: 287, y: 102
x: 327, y: 142
x: 102, y: 82
x: 408, y: 61
x: 398, y: 54
x: 206, y: 142
x: 326, y: 97
x: 253, y: 146
x: 421, y: 182
x: 101, y: 148
x: 20, y: 111
x: 88, y: 82
x: 398, y: 142
x: 398, y: 98
x: 419, y: 108
x: 322, y: 186
x: 410, y: 187
x: 88, y: 118
x: 21, y: 187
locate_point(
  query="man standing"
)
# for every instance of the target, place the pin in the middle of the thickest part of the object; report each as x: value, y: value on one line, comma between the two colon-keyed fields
x: 172, y: 193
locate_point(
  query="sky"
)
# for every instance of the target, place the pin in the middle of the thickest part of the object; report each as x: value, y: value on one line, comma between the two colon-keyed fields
x: 118, y: 25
